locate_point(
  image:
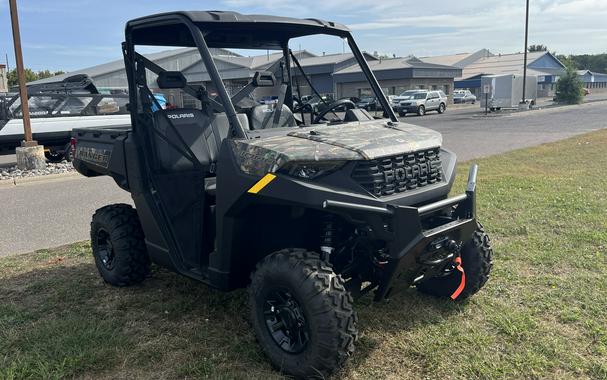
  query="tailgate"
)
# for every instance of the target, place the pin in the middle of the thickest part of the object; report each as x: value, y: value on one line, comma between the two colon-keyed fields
x: 99, y: 151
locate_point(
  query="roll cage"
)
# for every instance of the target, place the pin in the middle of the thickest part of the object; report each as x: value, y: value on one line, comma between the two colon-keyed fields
x: 205, y: 30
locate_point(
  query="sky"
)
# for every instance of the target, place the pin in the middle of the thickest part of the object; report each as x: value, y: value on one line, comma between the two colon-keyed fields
x: 73, y: 34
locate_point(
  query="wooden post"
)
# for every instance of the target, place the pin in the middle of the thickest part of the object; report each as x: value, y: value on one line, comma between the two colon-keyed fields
x: 27, y: 127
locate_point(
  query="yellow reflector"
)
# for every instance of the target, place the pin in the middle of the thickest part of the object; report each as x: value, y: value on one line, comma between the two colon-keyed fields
x: 263, y: 182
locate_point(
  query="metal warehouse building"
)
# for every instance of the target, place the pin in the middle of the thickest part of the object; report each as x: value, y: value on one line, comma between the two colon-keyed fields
x: 111, y: 76
x: 396, y: 75
x: 335, y: 74
x: 593, y: 80
x: 542, y: 64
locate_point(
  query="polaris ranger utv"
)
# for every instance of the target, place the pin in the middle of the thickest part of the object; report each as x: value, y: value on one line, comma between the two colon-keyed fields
x: 307, y: 210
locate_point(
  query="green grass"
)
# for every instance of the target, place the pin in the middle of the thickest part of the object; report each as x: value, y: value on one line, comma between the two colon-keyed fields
x: 543, y: 313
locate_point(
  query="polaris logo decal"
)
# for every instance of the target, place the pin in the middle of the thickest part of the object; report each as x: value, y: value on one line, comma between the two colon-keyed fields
x: 410, y: 172
x: 181, y: 116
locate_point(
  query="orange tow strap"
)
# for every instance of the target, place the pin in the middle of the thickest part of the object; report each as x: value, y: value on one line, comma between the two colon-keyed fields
x: 462, y: 284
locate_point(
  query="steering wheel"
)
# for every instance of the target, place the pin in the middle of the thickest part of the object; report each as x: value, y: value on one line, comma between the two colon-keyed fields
x: 347, y: 103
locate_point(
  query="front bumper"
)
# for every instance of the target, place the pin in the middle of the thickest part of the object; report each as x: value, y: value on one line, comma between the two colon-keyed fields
x: 417, y: 252
x: 408, y: 108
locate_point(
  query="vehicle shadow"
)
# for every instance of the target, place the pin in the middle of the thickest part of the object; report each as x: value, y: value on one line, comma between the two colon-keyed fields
x: 206, y: 330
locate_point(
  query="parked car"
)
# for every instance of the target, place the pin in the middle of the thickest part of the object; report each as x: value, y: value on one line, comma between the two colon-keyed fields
x: 395, y: 101
x: 461, y: 97
x: 368, y: 103
x: 318, y: 105
x: 353, y: 99
x: 422, y: 102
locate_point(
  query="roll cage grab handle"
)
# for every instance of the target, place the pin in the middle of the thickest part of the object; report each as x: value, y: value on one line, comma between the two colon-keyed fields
x: 236, y: 129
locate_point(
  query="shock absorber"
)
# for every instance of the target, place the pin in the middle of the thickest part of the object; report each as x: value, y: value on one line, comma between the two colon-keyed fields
x: 328, y: 236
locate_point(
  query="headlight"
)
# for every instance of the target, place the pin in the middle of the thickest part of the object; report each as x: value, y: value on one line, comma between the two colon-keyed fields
x: 310, y: 170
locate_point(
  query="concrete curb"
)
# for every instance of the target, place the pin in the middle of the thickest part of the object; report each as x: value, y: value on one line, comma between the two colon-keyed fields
x: 40, y: 178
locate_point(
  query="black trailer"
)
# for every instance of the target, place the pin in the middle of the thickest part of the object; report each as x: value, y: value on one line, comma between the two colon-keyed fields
x: 307, y: 214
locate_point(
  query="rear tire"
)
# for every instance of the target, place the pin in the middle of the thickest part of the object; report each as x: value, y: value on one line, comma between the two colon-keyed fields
x: 477, y: 261
x: 53, y: 155
x: 118, y: 245
x: 302, y: 314
x: 402, y: 114
x: 421, y: 111
x: 441, y: 108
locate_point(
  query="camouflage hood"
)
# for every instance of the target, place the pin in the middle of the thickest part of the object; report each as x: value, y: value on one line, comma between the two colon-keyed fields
x: 345, y: 142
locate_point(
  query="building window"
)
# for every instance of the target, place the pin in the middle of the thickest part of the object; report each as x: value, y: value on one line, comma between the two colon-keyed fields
x: 434, y: 87
x: 446, y: 89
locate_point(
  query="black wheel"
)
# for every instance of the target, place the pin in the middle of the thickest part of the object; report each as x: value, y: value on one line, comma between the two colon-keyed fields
x: 476, y: 262
x: 421, y: 110
x: 402, y: 114
x: 301, y: 313
x: 118, y: 245
x: 441, y: 108
x: 53, y: 155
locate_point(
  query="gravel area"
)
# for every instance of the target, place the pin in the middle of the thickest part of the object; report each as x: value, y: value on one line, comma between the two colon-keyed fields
x: 12, y: 173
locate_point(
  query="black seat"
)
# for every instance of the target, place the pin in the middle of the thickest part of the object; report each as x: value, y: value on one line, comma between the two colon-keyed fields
x: 193, y: 127
x: 262, y: 117
x: 201, y: 133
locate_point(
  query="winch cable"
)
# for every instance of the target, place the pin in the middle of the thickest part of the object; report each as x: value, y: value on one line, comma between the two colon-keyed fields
x: 462, y: 284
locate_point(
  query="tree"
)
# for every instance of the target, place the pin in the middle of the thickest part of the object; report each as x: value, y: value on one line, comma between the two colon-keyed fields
x: 593, y: 62
x: 533, y: 48
x: 569, y: 88
x: 30, y: 76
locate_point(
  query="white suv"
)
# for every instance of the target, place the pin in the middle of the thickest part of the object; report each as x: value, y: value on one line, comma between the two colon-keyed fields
x: 422, y: 102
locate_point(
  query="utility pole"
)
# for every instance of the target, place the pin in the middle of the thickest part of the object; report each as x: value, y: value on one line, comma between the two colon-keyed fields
x: 27, y: 127
x: 30, y: 155
x: 525, y: 60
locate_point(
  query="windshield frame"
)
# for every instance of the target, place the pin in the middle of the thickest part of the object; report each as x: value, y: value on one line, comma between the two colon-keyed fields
x: 197, y: 32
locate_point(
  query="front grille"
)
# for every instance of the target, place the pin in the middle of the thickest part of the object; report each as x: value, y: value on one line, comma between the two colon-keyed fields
x: 397, y: 174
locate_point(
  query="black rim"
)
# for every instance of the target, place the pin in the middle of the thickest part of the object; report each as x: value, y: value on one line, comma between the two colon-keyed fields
x: 285, y: 321
x: 105, y: 251
x: 53, y: 156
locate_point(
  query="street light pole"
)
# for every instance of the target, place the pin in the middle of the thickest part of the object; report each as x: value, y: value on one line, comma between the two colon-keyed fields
x: 27, y: 127
x: 525, y: 60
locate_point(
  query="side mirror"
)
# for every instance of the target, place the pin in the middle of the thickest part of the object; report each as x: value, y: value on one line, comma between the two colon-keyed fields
x: 264, y: 79
x: 171, y: 79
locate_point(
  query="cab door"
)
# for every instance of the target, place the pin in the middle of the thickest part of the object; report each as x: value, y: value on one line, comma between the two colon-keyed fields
x: 433, y: 101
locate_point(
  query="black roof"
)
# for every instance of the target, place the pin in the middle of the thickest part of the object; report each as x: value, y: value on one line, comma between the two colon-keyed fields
x: 227, y: 29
